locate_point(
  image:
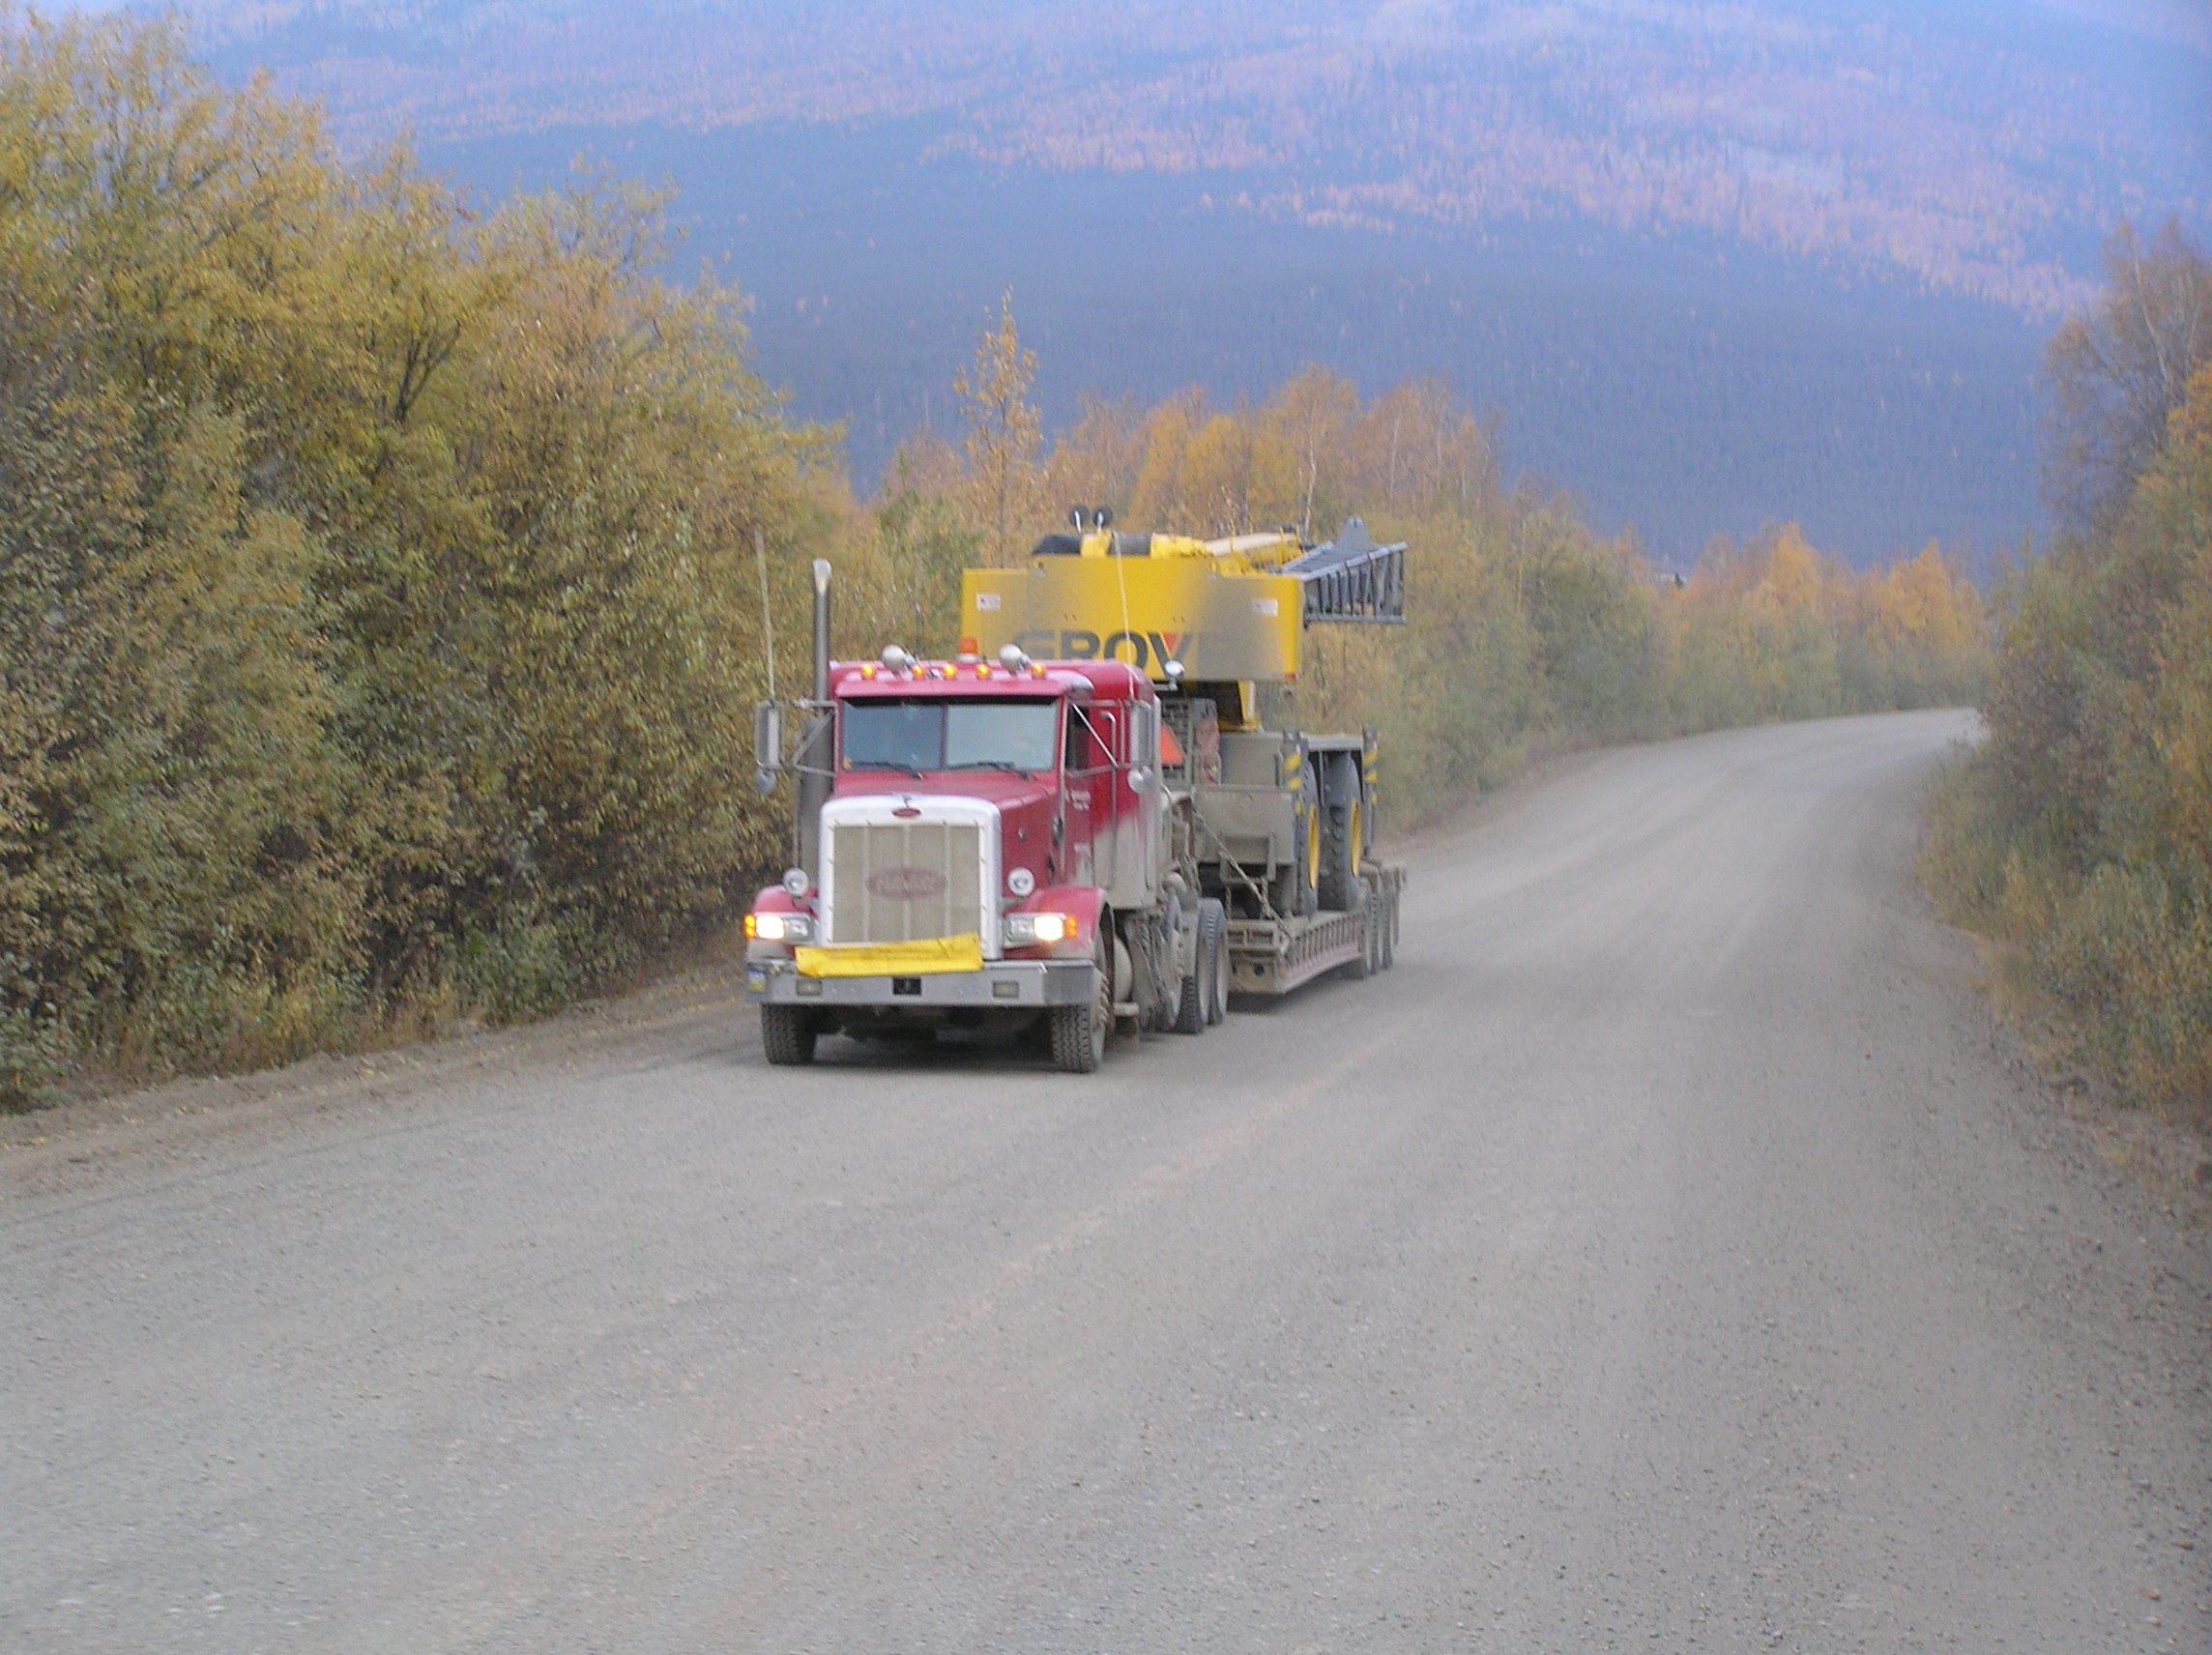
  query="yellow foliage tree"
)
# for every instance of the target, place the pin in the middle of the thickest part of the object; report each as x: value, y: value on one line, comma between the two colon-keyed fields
x: 1003, y: 434
x: 1096, y: 462
x: 1158, y: 498
x: 377, y: 592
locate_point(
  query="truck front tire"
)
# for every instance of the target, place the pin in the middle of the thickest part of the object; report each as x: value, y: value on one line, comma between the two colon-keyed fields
x: 787, y: 1033
x: 1079, y: 1031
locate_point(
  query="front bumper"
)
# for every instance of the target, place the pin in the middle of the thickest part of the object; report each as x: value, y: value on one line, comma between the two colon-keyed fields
x: 1001, y: 985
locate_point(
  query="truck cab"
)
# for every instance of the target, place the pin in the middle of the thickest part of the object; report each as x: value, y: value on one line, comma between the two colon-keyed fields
x: 986, y: 823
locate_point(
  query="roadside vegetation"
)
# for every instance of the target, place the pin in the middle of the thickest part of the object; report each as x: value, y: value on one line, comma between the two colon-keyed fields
x: 2080, y: 835
x: 386, y: 584
x: 1527, y: 632
x: 378, y: 601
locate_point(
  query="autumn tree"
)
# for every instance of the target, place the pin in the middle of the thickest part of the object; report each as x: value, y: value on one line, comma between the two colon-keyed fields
x: 1096, y: 462
x: 378, y: 601
x: 1309, y: 448
x: 1157, y: 500
x: 1418, y: 450
x: 2081, y: 831
x: 2115, y: 372
x: 1003, y: 434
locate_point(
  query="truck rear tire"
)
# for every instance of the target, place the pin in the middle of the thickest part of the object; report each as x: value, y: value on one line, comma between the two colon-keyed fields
x: 787, y: 1033
x: 1213, y: 957
x: 1190, y: 1005
x: 1191, y: 995
x: 1079, y: 1031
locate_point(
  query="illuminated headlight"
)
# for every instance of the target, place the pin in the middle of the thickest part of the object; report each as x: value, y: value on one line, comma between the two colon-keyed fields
x: 778, y: 927
x: 1028, y: 930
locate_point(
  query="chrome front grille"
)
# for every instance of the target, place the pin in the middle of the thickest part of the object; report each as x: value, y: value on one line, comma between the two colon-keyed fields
x: 901, y: 881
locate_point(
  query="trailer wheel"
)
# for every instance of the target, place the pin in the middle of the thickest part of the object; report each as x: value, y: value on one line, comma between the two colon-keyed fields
x: 787, y: 1033
x: 1079, y: 1031
x: 1364, y: 905
x: 1213, y: 957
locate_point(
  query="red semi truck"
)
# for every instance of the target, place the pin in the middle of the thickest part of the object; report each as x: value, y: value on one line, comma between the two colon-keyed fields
x: 1117, y: 835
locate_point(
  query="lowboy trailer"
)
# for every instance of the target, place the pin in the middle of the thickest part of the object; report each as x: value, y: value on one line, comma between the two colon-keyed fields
x: 1095, y: 814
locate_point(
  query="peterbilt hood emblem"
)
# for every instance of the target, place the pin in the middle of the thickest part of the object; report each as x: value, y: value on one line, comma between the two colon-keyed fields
x: 906, y: 885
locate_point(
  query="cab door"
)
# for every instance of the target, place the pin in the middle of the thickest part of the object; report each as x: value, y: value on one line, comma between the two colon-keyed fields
x: 1083, y: 759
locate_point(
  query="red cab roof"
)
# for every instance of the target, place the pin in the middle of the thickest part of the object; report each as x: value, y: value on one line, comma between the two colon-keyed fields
x: 1106, y: 680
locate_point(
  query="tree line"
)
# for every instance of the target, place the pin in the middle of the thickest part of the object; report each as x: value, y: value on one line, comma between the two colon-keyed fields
x: 386, y: 583
x: 1526, y: 630
x: 2080, y: 835
x: 378, y: 602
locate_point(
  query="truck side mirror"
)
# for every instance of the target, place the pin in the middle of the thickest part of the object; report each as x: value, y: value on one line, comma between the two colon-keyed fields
x: 1140, y: 778
x: 768, y: 738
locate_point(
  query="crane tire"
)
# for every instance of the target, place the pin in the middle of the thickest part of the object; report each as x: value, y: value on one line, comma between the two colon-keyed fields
x: 1337, y: 878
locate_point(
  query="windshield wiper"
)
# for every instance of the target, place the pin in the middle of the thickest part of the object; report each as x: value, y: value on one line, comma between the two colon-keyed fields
x: 889, y: 764
x: 993, y: 765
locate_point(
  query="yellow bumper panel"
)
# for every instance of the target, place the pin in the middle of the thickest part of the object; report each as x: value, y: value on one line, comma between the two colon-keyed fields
x: 927, y: 957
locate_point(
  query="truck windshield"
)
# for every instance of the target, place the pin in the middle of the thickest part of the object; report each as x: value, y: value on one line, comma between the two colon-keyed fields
x: 920, y: 736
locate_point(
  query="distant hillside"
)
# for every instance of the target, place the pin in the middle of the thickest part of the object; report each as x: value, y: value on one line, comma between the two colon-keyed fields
x: 1716, y: 264
x: 1984, y: 146
x: 1685, y: 385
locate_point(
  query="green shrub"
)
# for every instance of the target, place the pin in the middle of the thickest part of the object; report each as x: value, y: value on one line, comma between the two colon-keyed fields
x: 2080, y: 832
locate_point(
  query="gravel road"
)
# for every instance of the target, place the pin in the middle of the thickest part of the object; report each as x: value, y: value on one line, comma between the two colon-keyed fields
x: 1668, y: 1254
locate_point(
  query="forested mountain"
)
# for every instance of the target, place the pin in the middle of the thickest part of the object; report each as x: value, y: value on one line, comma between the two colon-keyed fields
x: 1685, y: 385
x: 1716, y: 266
x: 1984, y: 145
